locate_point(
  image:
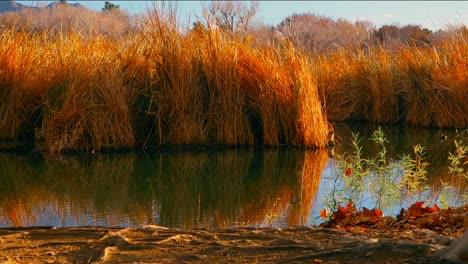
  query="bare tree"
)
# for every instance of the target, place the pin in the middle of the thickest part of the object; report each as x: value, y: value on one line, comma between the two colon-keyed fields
x: 318, y: 33
x: 393, y: 36
x: 231, y: 16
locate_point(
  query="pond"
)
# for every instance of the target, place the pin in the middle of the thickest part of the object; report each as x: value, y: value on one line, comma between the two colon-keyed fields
x: 205, y: 189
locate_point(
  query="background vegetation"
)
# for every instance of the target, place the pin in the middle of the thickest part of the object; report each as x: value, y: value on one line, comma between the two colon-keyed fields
x: 73, y: 78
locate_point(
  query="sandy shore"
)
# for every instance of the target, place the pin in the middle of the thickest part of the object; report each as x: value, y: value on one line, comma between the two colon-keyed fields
x: 155, y: 244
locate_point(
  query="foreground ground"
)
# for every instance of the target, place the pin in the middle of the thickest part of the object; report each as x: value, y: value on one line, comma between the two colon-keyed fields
x: 155, y: 244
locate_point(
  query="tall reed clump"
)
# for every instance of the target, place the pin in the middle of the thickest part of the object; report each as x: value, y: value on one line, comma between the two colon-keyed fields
x: 282, y: 96
x: 63, y: 93
x: 86, y: 104
x: 274, y: 92
x: 21, y: 83
x: 434, y: 84
x: 226, y: 100
x: 210, y: 88
x: 414, y: 85
x: 358, y: 85
x: 171, y: 98
x: 158, y: 86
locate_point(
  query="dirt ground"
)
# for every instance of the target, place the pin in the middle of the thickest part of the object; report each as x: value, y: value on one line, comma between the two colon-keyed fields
x: 155, y: 244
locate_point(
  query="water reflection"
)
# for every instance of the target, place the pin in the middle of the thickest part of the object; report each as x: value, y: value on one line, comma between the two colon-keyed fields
x: 190, y: 189
x: 205, y: 189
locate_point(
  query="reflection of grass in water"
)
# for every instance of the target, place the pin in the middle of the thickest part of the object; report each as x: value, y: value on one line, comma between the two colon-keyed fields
x: 71, y: 185
x: 309, y: 173
x: 234, y: 187
x: 14, y: 200
x: 203, y: 186
x: 186, y: 189
x: 103, y: 178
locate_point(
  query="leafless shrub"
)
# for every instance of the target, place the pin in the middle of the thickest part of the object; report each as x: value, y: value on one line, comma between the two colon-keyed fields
x: 451, y: 33
x: 62, y: 18
x: 394, y: 37
x: 234, y: 17
x: 318, y: 33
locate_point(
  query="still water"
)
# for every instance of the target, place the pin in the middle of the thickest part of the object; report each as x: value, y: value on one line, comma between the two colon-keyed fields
x: 192, y: 189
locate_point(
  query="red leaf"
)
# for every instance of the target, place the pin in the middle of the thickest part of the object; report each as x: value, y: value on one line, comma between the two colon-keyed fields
x: 377, y: 212
x: 415, y: 206
x: 371, y: 213
x: 366, y: 212
x: 350, y: 206
x: 340, y: 214
x: 348, y: 171
x: 433, y: 208
x: 323, y: 213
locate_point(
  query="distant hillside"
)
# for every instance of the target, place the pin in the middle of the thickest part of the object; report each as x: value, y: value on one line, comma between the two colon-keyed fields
x: 57, y: 3
x: 12, y: 6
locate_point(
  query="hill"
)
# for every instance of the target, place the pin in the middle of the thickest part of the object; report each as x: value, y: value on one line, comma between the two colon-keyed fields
x: 11, y: 6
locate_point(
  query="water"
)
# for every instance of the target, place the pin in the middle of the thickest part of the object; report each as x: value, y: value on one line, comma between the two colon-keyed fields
x: 191, y: 189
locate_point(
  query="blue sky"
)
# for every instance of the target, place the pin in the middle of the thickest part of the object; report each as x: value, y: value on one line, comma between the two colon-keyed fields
x: 431, y: 14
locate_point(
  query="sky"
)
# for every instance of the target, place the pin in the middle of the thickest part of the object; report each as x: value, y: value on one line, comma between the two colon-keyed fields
x: 430, y: 14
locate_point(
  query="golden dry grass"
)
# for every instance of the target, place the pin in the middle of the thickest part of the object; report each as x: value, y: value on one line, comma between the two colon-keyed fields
x: 158, y: 86
x: 161, y: 86
x: 414, y: 85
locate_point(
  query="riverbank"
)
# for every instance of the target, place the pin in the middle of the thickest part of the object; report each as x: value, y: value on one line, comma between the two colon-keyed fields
x: 416, y: 235
x: 152, y: 244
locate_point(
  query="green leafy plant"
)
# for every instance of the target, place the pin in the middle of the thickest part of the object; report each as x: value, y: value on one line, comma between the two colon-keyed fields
x: 414, y: 173
x: 383, y: 185
x: 348, y: 180
x: 354, y: 171
x: 386, y: 181
x: 459, y: 160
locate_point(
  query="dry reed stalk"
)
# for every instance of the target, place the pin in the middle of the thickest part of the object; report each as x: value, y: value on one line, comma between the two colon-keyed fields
x: 176, y: 101
x: 159, y: 86
x: 140, y: 76
x: 416, y: 85
x: 224, y: 97
x: 340, y: 83
x: 270, y: 103
x: 311, y: 124
x: 89, y: 108
x: 280, y: 89
x: 20, y: 82
x: 435, y: 85
x: 358, y: 85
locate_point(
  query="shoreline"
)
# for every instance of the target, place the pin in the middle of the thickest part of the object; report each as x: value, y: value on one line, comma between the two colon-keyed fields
x: 152, y: 243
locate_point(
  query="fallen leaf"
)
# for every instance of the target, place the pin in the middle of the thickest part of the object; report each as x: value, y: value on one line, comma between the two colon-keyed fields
x: 323, y: 213
x: 340, y: 213
x: 416, y: 206
x: 350, y: 206
x: 432, y: 209
x: 377, y: 212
